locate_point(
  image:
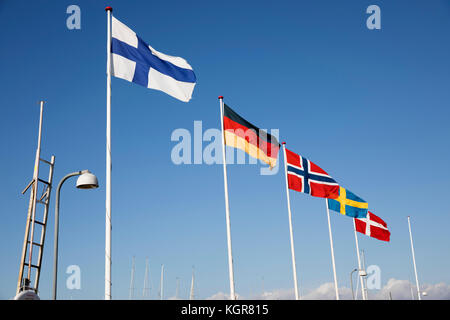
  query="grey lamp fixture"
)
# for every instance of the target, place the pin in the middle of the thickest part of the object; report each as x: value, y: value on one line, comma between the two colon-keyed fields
x: 86, y: 180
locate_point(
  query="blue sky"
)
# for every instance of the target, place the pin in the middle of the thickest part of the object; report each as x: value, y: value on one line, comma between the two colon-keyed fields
x: 368, y: 106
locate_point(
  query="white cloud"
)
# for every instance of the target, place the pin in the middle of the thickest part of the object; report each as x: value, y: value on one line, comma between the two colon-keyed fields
x: 223, y: 296
x: 398, y: 289
x: 327, y: 292
x: 219, y: 296
x: 279, y: 294
x: 439, y: 291
x: 405, y: 290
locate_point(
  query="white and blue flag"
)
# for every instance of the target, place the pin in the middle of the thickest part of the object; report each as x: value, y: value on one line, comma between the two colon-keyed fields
x: 135, y: 61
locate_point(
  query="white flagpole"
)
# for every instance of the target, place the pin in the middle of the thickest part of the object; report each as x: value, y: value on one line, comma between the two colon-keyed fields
x: 414, y: 259
x: 108, y: 164
x: 35, y: 191
x: 132, y: 279
x: 191, y: 293
x: 291, y: 233
x: 227, y: 207
x: 161, y: 291
x: 363, y: 261
x: 411, y: 289
x: 145, y: 293
x: 359, y: 262
x: 332, y: 252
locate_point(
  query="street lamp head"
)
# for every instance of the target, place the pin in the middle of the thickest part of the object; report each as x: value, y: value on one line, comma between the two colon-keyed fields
x: 362, y: 273
x: 87, y: 181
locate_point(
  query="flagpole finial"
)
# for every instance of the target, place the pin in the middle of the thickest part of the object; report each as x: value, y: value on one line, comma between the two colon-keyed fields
x: 220, y: 97
x: 108, y: 9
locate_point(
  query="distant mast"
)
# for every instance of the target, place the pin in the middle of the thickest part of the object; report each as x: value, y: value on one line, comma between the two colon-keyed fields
x: 36, y: 225
x: 132, y: 280
x: 161, y: 285
x: 191, y: 295
x: 146, y: 290
x: 414, y: 259
x: 177, y: 291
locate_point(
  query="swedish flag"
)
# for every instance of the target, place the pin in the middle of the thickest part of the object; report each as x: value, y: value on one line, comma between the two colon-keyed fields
x: 349, y: 204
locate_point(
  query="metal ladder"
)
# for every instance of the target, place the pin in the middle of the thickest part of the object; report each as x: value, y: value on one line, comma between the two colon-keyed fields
x: 35, y: 219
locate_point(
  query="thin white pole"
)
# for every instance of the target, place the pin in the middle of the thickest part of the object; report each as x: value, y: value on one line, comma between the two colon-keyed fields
x: 108, y: 163
x: 145, y: 293
x: 332, y: 252
x: 359, y: 262
x: 411, y: 289
x: 356, y: 291
x: 132, y: 280
x: 227, y: 207
x: 262, y: 286
x: 161, y: 291
x: 366, y: 292
x: 291, y: 233
x: 35, y: 190
x: 414, y: 259
x: 191, y: 295
x: 177, y: 290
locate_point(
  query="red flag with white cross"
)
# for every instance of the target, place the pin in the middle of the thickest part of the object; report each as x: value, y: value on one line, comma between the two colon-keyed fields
x: 373, y: 226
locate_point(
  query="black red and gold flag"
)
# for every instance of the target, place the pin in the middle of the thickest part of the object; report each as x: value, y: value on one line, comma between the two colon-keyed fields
x: 241, y: 134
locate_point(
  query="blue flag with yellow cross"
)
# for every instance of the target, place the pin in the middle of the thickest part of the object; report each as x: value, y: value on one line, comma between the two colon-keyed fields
x: 349, y: 204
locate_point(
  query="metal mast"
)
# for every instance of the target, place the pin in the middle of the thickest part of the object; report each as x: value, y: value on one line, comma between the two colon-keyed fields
x: 191, y: 294
x: 146, y: 290
x: 365, y: 278
x: 132, y: 280
x: 414, y: 259
x: 36, y: 220
x: 177, y: 291
x: 161, y: 285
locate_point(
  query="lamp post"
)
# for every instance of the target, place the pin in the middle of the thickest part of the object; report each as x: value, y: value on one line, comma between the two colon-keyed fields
x: 414, y: 258
x: 351, y: 282
x: 86, y: 181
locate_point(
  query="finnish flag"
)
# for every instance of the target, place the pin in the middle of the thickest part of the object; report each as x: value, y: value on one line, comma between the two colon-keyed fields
x: 135, y: 61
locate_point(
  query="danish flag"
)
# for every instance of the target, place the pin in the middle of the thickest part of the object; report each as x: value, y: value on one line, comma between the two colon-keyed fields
x: 373, y: 226
x: 307, y: 177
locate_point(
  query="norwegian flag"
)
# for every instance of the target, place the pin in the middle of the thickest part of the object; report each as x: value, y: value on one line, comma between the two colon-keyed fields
x: 307, y: 177
x: 373, y: 226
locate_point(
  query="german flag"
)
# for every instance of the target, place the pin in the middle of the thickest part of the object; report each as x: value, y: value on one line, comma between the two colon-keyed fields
x: 241, y: 134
